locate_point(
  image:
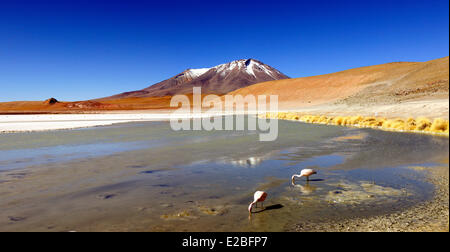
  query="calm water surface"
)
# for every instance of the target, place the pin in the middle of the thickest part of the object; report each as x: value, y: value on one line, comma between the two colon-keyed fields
x: 146, y: 177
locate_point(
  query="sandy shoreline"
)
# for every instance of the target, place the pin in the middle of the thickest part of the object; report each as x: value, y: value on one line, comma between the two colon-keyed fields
x: 433, y: 108
x: 420, y: 116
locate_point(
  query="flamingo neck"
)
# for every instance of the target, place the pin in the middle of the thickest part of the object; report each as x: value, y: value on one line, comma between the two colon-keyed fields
x: 297, y: 175
x: 251, y: 206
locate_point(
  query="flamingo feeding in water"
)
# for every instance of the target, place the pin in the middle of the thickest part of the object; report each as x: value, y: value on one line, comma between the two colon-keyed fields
x: 259, y: 196
x: 304, y: 173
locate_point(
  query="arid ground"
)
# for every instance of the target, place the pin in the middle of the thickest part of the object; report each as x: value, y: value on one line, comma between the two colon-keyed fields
x: 402, y: 89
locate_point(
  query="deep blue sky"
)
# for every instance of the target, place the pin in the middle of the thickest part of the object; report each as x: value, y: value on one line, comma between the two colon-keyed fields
x: 75, y: 50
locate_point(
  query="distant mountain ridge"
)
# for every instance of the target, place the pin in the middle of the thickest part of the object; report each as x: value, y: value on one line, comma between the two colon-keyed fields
x: 219, y: 80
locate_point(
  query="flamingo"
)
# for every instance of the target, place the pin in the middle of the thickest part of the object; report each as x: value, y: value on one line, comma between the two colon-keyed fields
x: 304, y: 173
x: 259, y: 196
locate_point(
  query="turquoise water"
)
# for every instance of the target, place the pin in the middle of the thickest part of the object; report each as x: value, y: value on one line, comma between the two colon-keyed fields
x: 146, y: 177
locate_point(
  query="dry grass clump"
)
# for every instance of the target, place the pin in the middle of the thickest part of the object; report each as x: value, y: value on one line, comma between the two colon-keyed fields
x: 439, y: 125
x: 421, y: 124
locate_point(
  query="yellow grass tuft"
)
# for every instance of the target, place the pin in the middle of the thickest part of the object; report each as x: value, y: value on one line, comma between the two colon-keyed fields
x: 439, y: 125
x: 424, y: 125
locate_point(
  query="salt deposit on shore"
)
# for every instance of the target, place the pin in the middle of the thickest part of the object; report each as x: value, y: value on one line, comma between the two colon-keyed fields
x: 28, y: 123
x: 24, y: 123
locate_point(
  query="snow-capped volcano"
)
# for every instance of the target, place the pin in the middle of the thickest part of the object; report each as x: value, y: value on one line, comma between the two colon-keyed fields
x: 220, y: 79
x: 249, y: 66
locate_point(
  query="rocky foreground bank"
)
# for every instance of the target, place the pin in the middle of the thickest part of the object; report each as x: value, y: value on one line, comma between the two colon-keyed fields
x: 430, y: 216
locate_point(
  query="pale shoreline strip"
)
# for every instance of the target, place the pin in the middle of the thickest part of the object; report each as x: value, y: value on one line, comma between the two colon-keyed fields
x: 48, y: 122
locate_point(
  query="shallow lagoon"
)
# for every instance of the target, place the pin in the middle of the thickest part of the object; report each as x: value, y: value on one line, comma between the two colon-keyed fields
x: 146, y: 177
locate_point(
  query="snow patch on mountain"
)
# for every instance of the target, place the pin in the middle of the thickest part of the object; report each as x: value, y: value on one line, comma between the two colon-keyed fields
x: 198, y: 72
x: 249, y: 67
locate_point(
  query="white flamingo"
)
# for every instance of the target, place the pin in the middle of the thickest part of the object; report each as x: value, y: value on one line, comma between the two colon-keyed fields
x: 304, y: 173
x: 259, y: 196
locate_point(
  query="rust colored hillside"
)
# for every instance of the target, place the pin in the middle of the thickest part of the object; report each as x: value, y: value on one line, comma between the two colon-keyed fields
x: 37, y: 107
x: 381, y: 84
x: 125, y: 104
